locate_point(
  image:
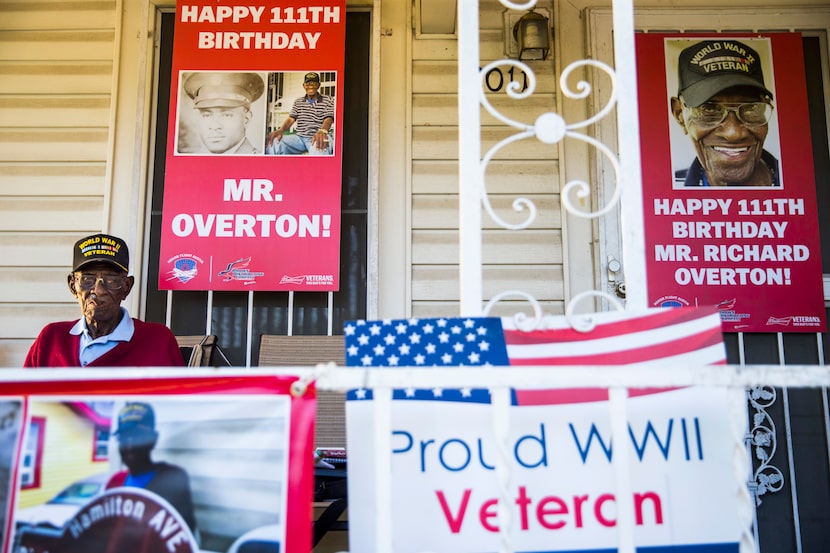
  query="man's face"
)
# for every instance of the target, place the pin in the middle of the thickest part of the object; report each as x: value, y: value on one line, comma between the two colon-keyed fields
x: 100, y: 288
x: 222, y: 128
x: 730, y: 152
x: 311, y: 88
x: 135, y: 448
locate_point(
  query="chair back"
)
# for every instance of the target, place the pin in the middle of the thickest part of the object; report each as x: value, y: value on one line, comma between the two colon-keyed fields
x: 306, y: 351
x: 198, y: 351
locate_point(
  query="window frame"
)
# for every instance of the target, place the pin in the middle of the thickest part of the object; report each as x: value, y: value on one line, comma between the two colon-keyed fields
x: 36, y: 454
x: 250, y: 315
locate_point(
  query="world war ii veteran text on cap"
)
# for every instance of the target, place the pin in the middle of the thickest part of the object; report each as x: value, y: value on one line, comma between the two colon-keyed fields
x: 712, y: 66
x: 101, y: 247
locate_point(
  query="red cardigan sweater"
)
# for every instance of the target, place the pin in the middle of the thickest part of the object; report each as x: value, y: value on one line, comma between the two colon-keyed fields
x: 152, y: 345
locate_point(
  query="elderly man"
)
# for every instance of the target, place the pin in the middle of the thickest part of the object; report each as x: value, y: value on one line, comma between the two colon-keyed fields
x: 105, y: 335
x: 724, y: 106
x: 137, y: 437
x: 224, y: 104
x: 314, y: 116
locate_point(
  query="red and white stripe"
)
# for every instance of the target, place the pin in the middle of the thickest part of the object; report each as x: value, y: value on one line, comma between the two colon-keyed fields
x: 690, y: 336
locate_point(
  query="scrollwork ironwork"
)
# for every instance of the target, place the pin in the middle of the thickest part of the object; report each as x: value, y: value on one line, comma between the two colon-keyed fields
x: 587, y: 322
x: 521, y: 320
x: 549, y: 128
x: 518, y: 5
x: 767, y: 478
x: 579, y: 322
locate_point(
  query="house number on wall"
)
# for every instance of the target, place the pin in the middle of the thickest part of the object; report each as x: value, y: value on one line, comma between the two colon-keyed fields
x: 494, y: 79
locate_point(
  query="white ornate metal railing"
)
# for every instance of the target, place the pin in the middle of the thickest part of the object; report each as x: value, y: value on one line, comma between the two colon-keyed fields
x: 551, y: 128
x: 767, y: 477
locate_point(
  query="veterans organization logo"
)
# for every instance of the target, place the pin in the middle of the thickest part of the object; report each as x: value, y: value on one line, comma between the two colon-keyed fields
x: 185, y: 267
x: 292, y: 279
x: 794, y: 320
x: 238, y: 270
x: 726, y: 308
x: 671, y: 301
x: 308, y: 280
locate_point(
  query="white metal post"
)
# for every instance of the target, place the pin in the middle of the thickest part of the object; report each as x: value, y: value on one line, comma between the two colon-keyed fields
x: 633, y: 243
x: 469, y: 157
x: 628, y: 127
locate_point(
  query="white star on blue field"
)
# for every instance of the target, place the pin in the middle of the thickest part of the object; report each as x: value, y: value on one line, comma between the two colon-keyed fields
x: 433, y: 342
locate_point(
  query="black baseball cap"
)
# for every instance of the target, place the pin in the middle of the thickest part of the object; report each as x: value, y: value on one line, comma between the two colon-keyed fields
x: 311, y: 77
x: 101, y: 247
x: 709, y: 67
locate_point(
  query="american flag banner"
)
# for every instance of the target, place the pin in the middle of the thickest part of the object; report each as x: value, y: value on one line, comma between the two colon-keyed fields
x: 690, y: 335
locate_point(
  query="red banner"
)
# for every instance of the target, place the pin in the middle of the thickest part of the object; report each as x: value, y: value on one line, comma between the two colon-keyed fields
x: 254, y: 153
x: 728, y: 182
x: 186, y: 464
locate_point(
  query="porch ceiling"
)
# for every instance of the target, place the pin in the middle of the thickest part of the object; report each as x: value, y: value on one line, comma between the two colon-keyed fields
x: 438, y: 16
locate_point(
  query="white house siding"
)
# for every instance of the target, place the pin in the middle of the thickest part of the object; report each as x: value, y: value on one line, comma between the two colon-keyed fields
x: 56, y: 75
x: 531, y: 261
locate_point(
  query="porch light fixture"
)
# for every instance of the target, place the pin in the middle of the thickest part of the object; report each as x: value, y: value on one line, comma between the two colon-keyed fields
x: 532, y: 34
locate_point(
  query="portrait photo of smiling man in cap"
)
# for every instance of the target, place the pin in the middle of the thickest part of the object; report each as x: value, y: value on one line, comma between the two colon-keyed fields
x: 724, y: 105
x: 222, y: 113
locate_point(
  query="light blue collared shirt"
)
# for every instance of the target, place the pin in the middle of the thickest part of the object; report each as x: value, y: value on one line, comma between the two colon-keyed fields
x: 90, y: 349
